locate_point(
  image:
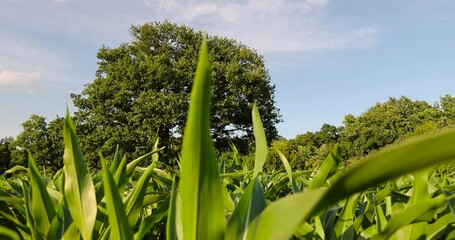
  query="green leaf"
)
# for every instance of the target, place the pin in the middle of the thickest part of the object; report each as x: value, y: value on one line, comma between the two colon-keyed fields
x: 381, y: 220
x: 42, y: 208
x: 419, y: 193
x: 120, y: 177
x: 440, y: 225
x: 60, y: 224
x: 200, y: 187
x: 28, y: 214
x: 288, y: 171
x: 79, y: 190
x: 327, y: 168
x: 16, y: 168
x: 116, y: 162
x: 133, y: 164
x: 157, y: 215
x: 390, y: 163
x: 344, y: 228
x: 171, y: 224
x: 281, y: 217
x: 119, y: 226
x: 408, y: 215
x: 250, y: 206
x: 261, y: 142
x: 136, y: 198
x: 8, y: 234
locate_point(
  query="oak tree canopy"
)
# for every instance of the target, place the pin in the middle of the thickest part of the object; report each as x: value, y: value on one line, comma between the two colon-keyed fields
x: 141, y: 91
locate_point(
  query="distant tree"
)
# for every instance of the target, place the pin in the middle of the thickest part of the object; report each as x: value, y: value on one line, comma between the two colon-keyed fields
x: 55, y: 142
x: 328, y: 134
x: 5, y: 154
x: 384, y: 124
x: 45, y: 143
x: 448, y: 107
x: 141, y: 91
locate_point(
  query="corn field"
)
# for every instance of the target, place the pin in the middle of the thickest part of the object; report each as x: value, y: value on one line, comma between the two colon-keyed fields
x: 394, y: 194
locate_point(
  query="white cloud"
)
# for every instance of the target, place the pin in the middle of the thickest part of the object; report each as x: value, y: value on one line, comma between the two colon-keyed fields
x: 267, y: 25
x: 29, y: 64
x: 270, y: 25
x: 57, y: 38
x: 16, y: 80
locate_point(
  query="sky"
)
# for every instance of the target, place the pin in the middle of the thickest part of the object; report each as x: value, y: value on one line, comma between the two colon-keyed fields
x: 326, y: 58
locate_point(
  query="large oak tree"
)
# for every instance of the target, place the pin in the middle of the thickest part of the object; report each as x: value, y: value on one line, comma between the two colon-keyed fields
x: 141, y: 91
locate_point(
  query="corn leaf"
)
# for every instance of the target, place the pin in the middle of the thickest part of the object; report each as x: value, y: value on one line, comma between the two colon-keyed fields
x: 200, y: 187
x: 28, y: 214
x: 390, y: 163
x: 136, y: 198
x: 60, y: 224
x: 280, y: 218
x: 119, y: 226
x: 288, y: 169
x: 249, y: 207
x: 261, y: 142
x: 408, y: 215
x: 120, y: 177
x: 16, y: 169
x: 42, y: 208
x: 8, y: 234
x: 116, y: 162
x: 344, y: 226
x: 157, y: 215
x: 440, y: 225
x: 171, y: 224
x: 381, y: 220
x: 79, y: 190
x: 419, y: 193
x: 133, y: 164
x: 327, y: 168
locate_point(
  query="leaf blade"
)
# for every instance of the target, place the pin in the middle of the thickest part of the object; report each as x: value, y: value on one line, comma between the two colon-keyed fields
x: 79, y: 190
x: 261, y: 141
x: 200, y: 187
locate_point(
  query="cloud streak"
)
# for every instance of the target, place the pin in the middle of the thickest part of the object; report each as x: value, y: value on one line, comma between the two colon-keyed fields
x: 21, y: 81
x: 270, y: 25
x: 47, y: 36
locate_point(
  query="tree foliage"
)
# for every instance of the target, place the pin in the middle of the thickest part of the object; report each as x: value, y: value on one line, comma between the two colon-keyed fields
x: 5, y: 153
x: 393, y: 121
x: 44, y: 140
x: 141, y: 91
x: 386, y: 123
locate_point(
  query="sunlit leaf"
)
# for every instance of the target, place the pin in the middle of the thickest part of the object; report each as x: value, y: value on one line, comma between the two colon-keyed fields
x: 79, y: 190
x: 200, y: 185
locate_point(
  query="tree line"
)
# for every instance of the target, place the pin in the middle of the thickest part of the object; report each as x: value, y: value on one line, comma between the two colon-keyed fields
x: 396, y: 120
x: 386, y: 123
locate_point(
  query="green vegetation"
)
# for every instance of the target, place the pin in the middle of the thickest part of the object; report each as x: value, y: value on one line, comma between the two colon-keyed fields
x: 231, y: 201
x: 141, y: 92
x: 298, y: 188
x: 394, y: 121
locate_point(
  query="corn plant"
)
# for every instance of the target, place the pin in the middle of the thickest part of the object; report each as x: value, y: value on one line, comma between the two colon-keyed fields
x: 74, y: 205
x: 393, y: 194
x: 197, y: 211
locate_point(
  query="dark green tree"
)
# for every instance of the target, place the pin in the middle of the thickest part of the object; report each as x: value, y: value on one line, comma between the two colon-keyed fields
x: 328, y: 134
x: 447, y: 103
x: 44, y: 141
x: 5, y: 154
x: 384, y: 124
x: 141, y: 91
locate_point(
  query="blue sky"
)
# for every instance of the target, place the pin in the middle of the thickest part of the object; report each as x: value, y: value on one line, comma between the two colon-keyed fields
x: 326, y: 58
